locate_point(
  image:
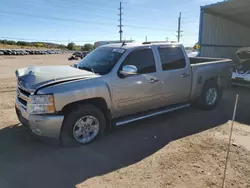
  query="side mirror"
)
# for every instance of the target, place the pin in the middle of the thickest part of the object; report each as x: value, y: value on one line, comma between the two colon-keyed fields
x: 128, y: 70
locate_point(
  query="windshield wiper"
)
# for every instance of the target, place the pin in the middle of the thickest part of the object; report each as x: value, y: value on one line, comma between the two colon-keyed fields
x: 87, y: 69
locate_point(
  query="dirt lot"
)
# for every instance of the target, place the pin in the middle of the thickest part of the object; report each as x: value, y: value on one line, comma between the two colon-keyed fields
x: 178, y: 150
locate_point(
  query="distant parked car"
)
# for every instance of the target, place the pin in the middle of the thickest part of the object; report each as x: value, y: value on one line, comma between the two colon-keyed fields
x: 1, y: 53
x: 6, y: 52
x: 77, y: 54
x: 22, y: 52
x: 73, y: 57
x: 84, y: 53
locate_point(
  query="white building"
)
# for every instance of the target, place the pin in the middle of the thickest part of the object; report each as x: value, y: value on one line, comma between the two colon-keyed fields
x: 224, y: 28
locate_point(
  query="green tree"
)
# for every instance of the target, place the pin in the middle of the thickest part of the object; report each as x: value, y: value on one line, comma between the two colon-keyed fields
x: 61, y: 46
x: 71, y: 46
x: 87, y: 47
x: 22, y: 43
x: 4, y: 42
x: 11, y: 42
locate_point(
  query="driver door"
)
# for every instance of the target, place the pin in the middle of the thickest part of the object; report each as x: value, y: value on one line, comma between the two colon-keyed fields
x: 139, y: 92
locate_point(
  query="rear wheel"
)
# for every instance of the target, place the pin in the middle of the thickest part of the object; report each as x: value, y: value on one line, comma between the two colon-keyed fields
x: 83, y: 125
x: 210, y: 96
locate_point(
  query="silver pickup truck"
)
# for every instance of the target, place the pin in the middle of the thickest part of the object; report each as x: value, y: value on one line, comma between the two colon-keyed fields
x: 113, y: 85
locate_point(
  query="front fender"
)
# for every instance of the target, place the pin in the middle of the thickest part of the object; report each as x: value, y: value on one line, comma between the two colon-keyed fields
x: 79, y: 90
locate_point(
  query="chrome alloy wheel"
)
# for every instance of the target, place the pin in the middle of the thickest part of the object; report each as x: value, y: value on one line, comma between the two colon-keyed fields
x: 86, y: 129
x: 211, y: 96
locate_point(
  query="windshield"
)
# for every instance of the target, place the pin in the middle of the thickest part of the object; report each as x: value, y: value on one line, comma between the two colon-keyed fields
x: 101, y: 60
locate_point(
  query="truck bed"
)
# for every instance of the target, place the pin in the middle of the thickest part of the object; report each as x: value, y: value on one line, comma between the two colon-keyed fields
x: 206, y: 68
x: 198, y: 60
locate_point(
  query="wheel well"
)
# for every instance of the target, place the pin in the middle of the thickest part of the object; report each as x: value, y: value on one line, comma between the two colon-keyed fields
x: 215, y: 80
x: 97, y: 102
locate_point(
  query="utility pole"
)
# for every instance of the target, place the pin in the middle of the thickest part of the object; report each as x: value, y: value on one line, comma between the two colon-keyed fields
x: 120, y: 21
x: 179, y: 29
x: 146, y: 39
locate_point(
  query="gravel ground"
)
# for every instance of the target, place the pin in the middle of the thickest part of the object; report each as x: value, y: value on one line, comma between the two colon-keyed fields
x: 178, y: 150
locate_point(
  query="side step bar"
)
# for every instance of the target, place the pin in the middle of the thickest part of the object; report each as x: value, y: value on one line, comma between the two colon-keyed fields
x: 125, y: 121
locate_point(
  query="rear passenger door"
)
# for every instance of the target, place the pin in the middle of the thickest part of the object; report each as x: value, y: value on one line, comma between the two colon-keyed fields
x: 175, y: 74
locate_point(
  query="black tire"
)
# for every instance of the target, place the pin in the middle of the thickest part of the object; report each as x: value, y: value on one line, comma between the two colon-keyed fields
x: 202, y: 102
x: 67, y: 138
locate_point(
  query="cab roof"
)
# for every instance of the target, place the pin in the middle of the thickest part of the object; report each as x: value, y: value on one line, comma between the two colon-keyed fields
x: 135, y: 45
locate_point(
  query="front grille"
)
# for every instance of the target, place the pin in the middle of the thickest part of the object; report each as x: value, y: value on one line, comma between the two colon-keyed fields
x: 22, y: 101
x: 22, y: 96
x: 26, y: 93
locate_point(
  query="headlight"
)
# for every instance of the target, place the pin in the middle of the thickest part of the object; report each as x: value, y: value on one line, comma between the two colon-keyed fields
x: 40, y: 104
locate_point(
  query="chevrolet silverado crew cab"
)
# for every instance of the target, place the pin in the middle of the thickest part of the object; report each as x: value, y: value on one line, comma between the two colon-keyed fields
x: 113, y: 85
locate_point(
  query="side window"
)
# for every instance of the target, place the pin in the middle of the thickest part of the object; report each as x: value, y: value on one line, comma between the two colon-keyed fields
x: 172, y: 58
x: 143, y: 59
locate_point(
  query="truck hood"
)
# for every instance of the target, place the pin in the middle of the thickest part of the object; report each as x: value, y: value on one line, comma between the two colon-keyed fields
x: 35, y: 77
x: 243, y: 54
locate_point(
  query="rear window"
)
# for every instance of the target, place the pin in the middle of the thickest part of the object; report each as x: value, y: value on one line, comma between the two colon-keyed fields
x: 172, y: 58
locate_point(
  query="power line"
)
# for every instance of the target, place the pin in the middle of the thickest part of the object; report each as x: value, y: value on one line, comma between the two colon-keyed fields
x: 148, y: 28
x: 92, y: 8
x: 96, y: 22
x: 63, y: 5
x: 54, y: 10
x: 80, y: 21
x: 77, y: 12
x: 56, y: 18
x: 84, y: 9
x: 84, y: 21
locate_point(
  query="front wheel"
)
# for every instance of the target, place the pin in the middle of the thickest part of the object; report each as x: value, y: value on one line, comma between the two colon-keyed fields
x: 210, y: 96
x: 83, y: 125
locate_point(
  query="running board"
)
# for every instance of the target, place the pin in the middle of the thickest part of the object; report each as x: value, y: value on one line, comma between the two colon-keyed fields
x: 163, y: 111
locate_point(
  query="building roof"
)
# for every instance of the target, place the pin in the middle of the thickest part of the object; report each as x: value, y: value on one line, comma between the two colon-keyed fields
x: 233, y: 10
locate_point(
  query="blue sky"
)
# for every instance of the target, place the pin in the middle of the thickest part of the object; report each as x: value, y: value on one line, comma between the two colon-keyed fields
x: 83, y: 21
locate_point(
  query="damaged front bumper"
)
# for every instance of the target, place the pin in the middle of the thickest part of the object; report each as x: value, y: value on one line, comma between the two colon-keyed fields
x: 41, y: 125
x: 240, y: 79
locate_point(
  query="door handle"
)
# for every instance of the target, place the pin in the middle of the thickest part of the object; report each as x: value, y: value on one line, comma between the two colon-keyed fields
x: 153, y: 80
x: 184, y: 75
